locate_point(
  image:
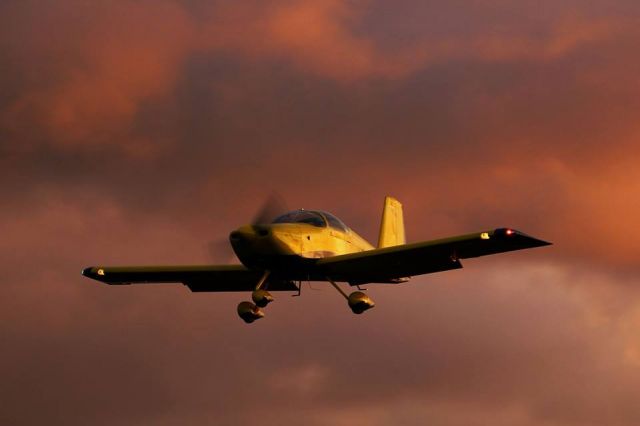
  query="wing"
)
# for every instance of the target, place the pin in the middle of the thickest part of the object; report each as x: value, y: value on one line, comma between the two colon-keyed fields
x: 197, y: 278
x: 392, y: 264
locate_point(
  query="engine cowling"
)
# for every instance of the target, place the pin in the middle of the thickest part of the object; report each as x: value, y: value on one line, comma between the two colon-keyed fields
x: 249, y: 312
x: 261, y: 298
x: 360, y: 302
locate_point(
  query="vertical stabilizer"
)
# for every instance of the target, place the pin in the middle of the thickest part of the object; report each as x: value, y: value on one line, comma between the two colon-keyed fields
x: 392, y: 225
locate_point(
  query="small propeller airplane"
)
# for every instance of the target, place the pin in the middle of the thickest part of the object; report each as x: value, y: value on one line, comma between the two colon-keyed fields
x: 313, y: 245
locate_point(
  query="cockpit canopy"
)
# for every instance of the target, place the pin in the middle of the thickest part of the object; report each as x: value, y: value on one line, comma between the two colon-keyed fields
x: 312, y: 217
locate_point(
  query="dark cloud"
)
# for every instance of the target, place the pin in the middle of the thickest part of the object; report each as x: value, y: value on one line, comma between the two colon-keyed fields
x: 138, y: 132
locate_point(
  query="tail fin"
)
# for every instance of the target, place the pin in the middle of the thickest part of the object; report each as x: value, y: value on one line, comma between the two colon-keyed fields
x: 392, y: 225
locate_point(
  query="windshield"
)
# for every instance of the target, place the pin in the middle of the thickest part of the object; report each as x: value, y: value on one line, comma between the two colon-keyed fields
x: 302, y: 216
x: 334, y: 222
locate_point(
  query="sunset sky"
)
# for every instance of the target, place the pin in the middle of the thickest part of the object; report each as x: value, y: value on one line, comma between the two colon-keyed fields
x: 138, y: 131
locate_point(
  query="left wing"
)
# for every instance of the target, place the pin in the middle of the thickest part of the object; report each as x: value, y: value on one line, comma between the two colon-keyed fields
x: 215, y: 278
x: 394, y: 264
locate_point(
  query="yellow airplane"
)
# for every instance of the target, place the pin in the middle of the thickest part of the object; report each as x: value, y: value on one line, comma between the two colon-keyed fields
x: 313, y: 245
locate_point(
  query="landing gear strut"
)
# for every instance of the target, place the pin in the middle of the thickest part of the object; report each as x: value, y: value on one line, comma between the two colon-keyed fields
x: 358, y: 301
x: 249, y: 312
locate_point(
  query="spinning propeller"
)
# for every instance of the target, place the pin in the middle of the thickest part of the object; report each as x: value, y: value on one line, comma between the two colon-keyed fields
x: 273, y: 206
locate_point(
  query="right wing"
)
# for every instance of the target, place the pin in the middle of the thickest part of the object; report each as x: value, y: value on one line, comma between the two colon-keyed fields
x: 214, y: 278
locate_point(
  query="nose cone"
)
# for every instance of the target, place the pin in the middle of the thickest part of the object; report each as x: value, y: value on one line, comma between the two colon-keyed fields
x: 251, y: 243
x: 249, y: 234
x: 250, y: 237
x: 242, y: 236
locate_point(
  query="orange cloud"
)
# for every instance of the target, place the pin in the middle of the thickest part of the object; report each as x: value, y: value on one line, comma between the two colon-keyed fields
x: 94, y: 77
x: 537, y: 130
x: 319, y: 37
x: 114, y: 57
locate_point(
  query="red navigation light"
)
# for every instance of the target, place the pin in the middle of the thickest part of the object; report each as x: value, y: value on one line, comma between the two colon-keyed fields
x: 510, y: 232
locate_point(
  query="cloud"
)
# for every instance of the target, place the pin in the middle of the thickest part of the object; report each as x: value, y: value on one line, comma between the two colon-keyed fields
x: 86, y: 85
x: 138, y: 132
x: 517, y: 343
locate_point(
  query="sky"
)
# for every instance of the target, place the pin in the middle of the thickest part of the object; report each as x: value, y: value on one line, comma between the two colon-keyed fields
x: 138, y: 131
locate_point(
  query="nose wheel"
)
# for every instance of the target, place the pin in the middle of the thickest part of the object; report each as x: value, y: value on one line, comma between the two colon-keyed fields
x: 249, y: 312
x: 252, y: 311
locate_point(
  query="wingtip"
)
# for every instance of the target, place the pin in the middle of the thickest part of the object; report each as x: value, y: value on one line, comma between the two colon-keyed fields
x: 512, y: 232
x: 539, y: 243
x: 93, y: 272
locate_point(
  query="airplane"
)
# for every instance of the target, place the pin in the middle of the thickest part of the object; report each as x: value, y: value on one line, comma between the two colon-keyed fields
x: 314, y: 245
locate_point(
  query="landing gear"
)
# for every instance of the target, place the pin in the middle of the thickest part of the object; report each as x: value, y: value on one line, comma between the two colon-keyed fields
x: 358, y: 301
x: 250, y: 312
x: 261, y: 297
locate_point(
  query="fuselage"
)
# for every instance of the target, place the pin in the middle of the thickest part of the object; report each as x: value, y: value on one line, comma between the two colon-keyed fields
x: 295, y: 240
